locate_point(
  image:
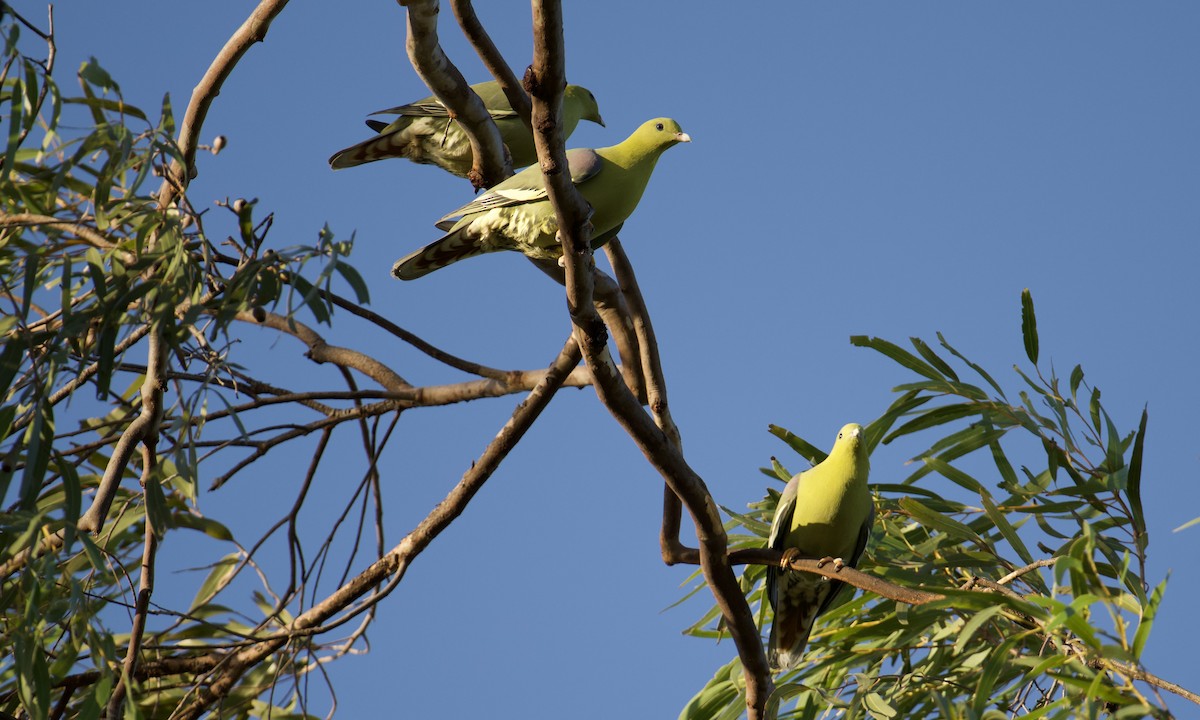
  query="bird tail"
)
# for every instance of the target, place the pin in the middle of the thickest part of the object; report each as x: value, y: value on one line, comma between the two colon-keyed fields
x: 785, y: 650
x: 393, y: 140
x: 438, y: 254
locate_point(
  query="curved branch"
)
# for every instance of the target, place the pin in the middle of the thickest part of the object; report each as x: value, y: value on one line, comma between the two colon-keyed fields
x: 656, y: 393
x: 394, y: 565
x: 491, y: 164
x: 434, y: 352
x: 320, y: 351
x: 545, y: 82
x: 87, y: 234
x: 610, y: 303
x: 487, y: 51
x: 253, y: 30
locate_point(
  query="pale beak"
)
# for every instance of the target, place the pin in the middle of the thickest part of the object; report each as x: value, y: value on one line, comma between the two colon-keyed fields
x: 683, y: 137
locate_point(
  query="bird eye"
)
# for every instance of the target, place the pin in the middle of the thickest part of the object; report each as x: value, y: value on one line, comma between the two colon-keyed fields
x: 659, y: 126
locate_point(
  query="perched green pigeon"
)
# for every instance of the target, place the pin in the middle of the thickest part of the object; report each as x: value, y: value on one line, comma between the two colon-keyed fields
x: 824, y: 512
x: 515, y: 214
x: 425, y: 133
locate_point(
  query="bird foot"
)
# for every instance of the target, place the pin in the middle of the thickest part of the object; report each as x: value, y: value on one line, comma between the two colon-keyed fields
x: 838, y: 563
x: 789, y: 554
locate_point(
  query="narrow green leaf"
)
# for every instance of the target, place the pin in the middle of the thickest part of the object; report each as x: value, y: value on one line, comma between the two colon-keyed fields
x: 1133, y: 482
x: 1094, y: 410
x: 953, y: 474
x: 1029, y: 326
x: 1148, y: 615
x: 979, y: 370
x: 878, y: 707
x: 1006, y: 528
x: 972, y: 626
x: 933, y: 358
x: 896, y: 353
x: 799, y: 444
x: 933, y: 417
x: 10, y: 362
x: 16, y: 121
x: 932, y: 519
x: 221, y: 571
x: 995, y: 667
x: 157, y: 512
x: 39, y: 441
x: 351, y: 276
x: 106, y: 349
x: 117, y: 106
x: 1053, y: 456
x: 878, y: 428
x: 1076, y: 379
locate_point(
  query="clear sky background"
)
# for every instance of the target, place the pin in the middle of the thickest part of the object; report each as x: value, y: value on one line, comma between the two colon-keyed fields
x: 879, y: 168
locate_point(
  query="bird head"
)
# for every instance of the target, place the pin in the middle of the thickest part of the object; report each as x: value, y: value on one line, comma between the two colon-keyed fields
x: 851, y: 439
x: 589, y: 109
x: 662, y: 131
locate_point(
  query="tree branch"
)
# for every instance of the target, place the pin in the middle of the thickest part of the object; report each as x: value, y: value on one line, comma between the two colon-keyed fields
x: 656, y: 393
x: 253, y: 30
x: 545, y: 82
x: 487, y: 51
x: 231, y: 667
x: 320, y: 351
x: 610, y: 303
x: 145, y: 590
x: 491, y: 164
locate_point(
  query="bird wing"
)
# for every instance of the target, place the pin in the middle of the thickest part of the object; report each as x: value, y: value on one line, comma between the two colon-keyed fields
x: 489, y: 93
x: 527, y: 186
x: 435, y: 109
x: 784, y: 509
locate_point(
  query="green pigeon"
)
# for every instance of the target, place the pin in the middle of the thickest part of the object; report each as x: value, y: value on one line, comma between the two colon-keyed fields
x: 824, y: 512
x: 425, y: 132
x: 516, y: 215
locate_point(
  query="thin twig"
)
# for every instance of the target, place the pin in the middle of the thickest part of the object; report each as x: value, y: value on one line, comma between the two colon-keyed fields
x: 145, y: 590
x: 1047, y: 562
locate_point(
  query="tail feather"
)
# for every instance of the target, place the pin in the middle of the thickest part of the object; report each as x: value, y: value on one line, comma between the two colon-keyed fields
x: 388, y: 145
x: 786, y: 648
x: 436, y: 255
x: 799, y: 601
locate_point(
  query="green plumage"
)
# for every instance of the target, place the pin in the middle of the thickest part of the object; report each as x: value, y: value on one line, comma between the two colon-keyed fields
x: 426, y: 134
x: 824, y: 512
x: 515, y: 214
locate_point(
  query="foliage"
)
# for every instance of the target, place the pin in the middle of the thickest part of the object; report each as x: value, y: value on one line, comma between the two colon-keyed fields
x: 90, y: 266
x: 128, y: 374
x: 1041, y: 552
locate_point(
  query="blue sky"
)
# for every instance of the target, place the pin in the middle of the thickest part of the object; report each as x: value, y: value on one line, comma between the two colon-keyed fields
x: 870, y: 168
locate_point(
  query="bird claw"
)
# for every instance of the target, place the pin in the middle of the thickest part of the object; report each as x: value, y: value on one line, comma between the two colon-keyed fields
x: 789, y: 554
x: 838, y: 563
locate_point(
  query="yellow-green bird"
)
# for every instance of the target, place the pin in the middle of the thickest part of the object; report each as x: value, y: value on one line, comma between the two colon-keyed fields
x: 515, y: 214
x: 426, y: 133
x: 825, y: 512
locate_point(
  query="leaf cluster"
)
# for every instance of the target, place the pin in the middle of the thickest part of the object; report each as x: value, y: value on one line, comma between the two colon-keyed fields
x: 91, y: 263
x: 1025, y: 511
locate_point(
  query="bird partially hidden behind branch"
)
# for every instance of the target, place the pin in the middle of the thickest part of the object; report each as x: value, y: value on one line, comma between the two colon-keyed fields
x: 516, y: 214
x: 825, y: 512
x: 426, y: 133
